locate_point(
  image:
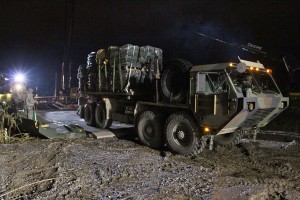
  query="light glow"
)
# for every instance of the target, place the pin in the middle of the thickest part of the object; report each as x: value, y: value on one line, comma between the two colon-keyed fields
x: 18, y: 87
x: 206, y: 130
x: 251, y: 106
x: 269, y: 71
x: 19, y: 77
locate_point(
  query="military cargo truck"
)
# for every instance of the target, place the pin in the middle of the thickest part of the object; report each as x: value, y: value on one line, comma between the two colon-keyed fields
x: 176, y: 103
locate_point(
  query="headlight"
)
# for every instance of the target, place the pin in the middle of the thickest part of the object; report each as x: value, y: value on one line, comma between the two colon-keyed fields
x: 251, y: 106
x: 283, y: 104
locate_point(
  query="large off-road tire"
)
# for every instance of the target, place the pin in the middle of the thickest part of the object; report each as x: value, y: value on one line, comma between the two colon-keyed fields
x: 149, y: 128
x: 81, y: 111
x: 89, y: 114
x: 229, y: 139
x: 100, y: 116
x: 175, y: 80
x: 183, y: 135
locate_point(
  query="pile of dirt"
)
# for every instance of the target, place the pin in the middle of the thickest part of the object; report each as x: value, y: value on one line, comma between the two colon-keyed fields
x: 114, y: 168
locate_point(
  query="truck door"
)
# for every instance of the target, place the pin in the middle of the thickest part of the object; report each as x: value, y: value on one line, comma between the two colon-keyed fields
x: 212, y: 98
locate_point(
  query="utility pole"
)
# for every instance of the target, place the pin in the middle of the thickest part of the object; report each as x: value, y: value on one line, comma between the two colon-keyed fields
x: 68, y: 39
x: 63, y: 76
x: 55, y: 85
x: 69, y: 75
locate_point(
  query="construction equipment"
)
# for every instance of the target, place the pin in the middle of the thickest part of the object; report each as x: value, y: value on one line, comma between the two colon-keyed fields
x: 175, y: 102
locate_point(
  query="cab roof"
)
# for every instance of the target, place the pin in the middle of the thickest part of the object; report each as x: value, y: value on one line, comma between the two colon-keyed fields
x: 220, y: 66
x: 209, y: 67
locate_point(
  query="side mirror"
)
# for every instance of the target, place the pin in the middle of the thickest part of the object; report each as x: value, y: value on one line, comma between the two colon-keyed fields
x: 201, y: 79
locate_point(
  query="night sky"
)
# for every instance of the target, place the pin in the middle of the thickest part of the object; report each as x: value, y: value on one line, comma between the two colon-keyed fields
x: 32, y: 33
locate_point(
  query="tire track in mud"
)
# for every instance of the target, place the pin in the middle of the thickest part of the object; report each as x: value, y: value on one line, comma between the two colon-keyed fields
x: 118, y: 169
x: 274, y: 172
x: 137, y: 172
x: 38, y: 163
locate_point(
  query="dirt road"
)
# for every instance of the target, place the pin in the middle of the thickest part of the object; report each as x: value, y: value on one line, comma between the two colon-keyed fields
x: 114, y: 168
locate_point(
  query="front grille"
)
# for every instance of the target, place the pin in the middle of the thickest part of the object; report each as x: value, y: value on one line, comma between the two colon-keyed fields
x: 257, y: 117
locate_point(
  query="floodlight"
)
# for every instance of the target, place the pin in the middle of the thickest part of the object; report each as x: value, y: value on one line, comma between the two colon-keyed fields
x: 19, y: 77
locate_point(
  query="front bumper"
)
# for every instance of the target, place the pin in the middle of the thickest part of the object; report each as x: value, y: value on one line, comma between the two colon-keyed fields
x: 265, y: 109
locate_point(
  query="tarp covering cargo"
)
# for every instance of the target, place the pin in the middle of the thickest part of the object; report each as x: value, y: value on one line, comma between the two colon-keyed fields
x: 124, y: 69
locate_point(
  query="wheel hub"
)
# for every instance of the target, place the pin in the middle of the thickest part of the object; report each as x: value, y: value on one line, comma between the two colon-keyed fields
x: 149, y: 130
x: 180, y: 135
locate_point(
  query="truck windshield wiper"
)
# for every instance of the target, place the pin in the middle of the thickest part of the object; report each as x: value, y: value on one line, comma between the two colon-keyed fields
x: 254, y: 92
x: 270, y: 91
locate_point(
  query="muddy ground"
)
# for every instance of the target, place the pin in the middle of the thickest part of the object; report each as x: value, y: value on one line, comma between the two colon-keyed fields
x: 121, y: 168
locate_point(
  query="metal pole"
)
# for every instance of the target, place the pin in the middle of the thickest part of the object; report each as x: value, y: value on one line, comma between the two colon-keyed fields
x: 55, y: 85
x: 63, y: 76
x: 211, y: 142
x: 34, y: 113
x: 286, y: 65
x: 69, y: 76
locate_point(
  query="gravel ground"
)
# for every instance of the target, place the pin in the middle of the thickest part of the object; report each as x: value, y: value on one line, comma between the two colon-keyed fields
x: 114, y: 168
x: 121, y: 168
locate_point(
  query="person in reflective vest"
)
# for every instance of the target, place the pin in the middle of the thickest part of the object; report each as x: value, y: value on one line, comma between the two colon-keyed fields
x: 29, y: 103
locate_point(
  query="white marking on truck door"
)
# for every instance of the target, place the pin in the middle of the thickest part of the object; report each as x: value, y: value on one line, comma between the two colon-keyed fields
x: 215, y: 104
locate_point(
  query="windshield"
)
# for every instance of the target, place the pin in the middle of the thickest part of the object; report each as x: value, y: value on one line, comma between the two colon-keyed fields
x: 258, y: 82
x: 266, y: 83
x: 216, y: 82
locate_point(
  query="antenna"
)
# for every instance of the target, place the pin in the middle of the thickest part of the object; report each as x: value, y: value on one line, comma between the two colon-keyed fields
x: 249, y: 47
x: 286, y: 65
x: 252, y: 48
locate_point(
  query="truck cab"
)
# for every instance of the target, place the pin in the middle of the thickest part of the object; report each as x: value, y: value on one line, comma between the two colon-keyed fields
x: 232, y: 97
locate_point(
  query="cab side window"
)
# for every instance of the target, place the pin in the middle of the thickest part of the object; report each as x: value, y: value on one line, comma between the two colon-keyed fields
x: 216, y: 83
